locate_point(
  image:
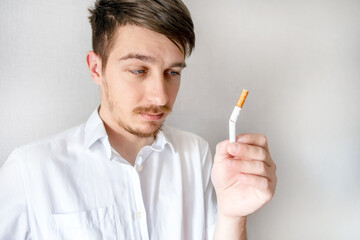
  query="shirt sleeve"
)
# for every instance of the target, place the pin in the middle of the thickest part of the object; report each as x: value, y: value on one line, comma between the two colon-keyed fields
x: 209, y: 194
x: 14, y: 222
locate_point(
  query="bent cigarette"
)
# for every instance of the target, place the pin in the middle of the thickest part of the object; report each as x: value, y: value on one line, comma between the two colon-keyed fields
x: 235, y: 114
x: 242, y: 98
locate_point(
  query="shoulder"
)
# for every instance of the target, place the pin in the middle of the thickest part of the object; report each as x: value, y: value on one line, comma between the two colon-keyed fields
x: 48, y: 146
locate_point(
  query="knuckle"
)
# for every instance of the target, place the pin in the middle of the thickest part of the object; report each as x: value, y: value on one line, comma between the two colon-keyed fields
x: 242, y: 148
x: 245, y: 137
x: 219, y: 146
x: 265, y: 183
x: 262, y: 154
x: 275, y: 179
x: 263, y: 140
x: 261, y: 167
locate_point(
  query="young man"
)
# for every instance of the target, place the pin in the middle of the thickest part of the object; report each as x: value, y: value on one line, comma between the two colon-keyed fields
x: 122, y: 174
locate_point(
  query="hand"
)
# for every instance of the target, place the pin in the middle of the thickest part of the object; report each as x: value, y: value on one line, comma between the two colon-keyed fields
x: 243, y: 175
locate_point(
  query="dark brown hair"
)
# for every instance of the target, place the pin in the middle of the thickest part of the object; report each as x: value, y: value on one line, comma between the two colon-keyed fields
x: 168, y: 17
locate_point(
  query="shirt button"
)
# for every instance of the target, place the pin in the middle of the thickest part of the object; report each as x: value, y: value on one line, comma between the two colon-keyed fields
x: 139, y: 168
x: 138, y: 215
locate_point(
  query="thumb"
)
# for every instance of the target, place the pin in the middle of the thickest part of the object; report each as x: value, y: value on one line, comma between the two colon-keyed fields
x: 227, y: 149
x: 221, y: 149
x: 224, y: 150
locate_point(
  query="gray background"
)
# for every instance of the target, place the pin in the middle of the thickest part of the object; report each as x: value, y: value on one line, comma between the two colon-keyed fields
x: 300, y: 60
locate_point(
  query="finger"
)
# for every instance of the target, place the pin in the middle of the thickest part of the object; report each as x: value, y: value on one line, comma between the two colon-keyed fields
x: 264, y: 185
x: 247, y: 152
x: 221, y: 149
x: 243, y: 151
x: 258, y: 168
x: 253, y: 139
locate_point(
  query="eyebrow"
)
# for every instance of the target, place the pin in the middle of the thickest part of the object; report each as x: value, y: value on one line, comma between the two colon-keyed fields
x: 138, y: 56
x: 148, y: 59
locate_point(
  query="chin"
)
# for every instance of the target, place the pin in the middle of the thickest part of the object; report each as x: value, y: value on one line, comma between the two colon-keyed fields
x: 148, y: 131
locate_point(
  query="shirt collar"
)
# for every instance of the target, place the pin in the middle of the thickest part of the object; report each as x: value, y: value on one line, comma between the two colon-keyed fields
x: 95, y: 130
x: 160, y: 142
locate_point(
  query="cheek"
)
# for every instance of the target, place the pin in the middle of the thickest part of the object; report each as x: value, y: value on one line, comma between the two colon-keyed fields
x: 131, y: 94
x: 125, y: 94
x: 173, y: 90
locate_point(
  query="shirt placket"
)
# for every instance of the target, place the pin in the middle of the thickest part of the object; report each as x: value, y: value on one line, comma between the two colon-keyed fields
x: 140, y: 212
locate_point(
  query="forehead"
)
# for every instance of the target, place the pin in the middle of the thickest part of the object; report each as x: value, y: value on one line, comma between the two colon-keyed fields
x: 130, y: 39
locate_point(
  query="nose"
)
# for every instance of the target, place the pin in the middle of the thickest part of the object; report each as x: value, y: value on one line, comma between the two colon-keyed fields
x: 157, y: 93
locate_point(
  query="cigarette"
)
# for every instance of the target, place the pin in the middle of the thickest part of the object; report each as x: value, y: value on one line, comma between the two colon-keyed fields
x: 235, y: 114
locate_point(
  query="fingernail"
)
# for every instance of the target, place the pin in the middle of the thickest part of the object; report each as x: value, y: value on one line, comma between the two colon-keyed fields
x: 234, y: 148
x: 240, y: 138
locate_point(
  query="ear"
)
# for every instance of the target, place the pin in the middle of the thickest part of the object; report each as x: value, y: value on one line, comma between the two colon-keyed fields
x: 93, y: 62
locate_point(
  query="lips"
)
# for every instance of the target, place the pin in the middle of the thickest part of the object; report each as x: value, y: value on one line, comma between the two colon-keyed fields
x: 152, y: 116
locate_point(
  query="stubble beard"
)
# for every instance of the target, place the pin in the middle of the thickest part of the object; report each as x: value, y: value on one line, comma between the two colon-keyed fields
x: 140, y: 133
x: 137, y: 110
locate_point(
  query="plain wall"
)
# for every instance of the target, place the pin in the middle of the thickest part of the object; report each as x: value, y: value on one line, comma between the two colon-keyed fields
x: 300, y: 60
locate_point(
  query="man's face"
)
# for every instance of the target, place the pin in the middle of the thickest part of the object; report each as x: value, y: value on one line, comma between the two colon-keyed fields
x: 140, y: 82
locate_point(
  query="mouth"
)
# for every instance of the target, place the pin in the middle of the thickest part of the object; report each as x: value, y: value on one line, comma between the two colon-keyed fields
x: 152, y: 116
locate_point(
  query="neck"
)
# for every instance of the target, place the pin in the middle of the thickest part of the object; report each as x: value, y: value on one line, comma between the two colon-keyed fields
x: 126, y: 144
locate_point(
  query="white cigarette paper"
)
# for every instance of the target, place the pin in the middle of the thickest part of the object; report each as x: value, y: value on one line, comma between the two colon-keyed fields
x: 235, y: 114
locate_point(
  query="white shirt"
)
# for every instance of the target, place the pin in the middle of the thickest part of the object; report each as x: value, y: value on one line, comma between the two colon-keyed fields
x: 75, y: 186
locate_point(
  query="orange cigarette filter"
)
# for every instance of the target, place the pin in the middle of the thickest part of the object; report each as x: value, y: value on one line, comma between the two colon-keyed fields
x: 242, y: 98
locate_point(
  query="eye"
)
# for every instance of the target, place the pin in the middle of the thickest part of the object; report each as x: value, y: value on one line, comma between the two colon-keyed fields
x: 137, y: 71
x: 174, y: 73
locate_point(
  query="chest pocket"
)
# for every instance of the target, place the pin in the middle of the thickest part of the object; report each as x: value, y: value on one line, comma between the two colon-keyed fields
x: 93, y: 224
